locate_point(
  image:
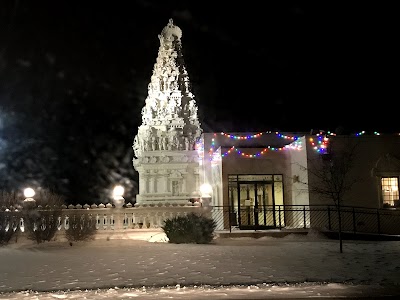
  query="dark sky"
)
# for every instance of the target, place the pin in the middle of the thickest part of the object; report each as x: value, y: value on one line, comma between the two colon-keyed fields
x: 254, y: 65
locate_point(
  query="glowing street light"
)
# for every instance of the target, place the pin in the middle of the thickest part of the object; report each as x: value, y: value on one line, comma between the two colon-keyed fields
x: 118, y: 191
x: 118, y: 198
x: 118, y: 201
x: 206, y: 191
x: 29, y: 193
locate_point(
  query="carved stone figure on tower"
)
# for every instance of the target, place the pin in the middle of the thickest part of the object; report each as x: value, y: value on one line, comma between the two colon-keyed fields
x: 153, y: 141
x: 192, y: 109
x: 162, y: 140
x: 191, y: 140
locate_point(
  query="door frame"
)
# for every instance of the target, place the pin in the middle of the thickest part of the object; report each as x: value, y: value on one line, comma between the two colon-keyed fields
x: 266, y: 213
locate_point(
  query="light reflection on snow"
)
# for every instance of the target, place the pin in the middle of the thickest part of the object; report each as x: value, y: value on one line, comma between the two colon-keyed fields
x: 300, y: 290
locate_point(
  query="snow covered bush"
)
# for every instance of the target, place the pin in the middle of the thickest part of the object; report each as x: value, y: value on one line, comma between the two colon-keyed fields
x: 42, y: 218
x: 81, y: 227
x: 8, y: 217
x: 192, y: 228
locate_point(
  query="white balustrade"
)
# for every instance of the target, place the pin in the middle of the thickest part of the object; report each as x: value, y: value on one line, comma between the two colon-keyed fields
x: 107, y: 217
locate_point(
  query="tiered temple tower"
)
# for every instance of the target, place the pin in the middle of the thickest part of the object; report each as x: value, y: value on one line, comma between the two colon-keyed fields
x: 166, y: 156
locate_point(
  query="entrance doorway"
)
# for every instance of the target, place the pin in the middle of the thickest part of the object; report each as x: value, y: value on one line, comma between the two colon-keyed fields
x: 254, y: 201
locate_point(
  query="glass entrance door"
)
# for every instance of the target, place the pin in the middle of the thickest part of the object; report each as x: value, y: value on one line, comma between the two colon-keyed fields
x: 256, y: 205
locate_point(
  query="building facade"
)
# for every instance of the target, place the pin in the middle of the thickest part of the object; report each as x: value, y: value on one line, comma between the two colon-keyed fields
x: 262, y: 173
x: 254, y: 177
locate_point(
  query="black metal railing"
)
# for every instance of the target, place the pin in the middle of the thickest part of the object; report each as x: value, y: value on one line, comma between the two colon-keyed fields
x: 322, y: 217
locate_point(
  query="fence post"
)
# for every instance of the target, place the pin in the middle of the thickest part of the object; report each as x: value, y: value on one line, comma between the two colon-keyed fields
x: 279, y: 211
x: 379, y: 221
x: 230, y: 210
x: 255, y: 216
x: 304, y: 217
x: 329, y: 219
x: 354, y: 221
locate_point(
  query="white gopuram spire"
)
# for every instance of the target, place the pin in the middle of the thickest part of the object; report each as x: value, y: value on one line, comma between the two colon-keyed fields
x: 164, y: 147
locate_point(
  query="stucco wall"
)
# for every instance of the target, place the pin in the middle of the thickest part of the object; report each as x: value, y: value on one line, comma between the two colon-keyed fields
x: 366, y: 191
x: 298, y: 165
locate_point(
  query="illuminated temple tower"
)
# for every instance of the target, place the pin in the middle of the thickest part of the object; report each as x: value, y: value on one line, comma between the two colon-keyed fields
x: 165, y: 154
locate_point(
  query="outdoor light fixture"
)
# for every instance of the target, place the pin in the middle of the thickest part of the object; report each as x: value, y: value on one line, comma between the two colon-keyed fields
x: 118, y: 198
x: 206, y: 191
x: 118, y: 191
x: 29, y: 193
x: 29, y: 202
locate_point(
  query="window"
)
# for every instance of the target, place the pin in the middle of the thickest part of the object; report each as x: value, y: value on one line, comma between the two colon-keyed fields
x: 390, y: 191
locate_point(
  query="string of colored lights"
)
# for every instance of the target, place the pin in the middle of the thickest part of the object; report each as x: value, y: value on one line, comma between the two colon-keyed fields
x: 242, y: 137
x: 264, y: 151
x: 319, y: 143
x: 296, y: 146
x: 360, y: 133
x: 257, y: 135
x: 363, y: 132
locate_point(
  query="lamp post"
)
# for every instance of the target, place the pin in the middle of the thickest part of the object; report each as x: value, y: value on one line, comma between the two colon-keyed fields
x: 118, y: 198
x: 29, y: 202
x: 118, y: 201
x: 206, y: 191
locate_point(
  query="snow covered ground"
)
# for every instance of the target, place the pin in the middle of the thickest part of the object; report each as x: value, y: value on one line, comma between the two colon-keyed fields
x: 143, y: 265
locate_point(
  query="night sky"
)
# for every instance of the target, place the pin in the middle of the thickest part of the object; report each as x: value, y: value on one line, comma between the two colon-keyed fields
x: 289, y: 66
x: 74, y: 77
